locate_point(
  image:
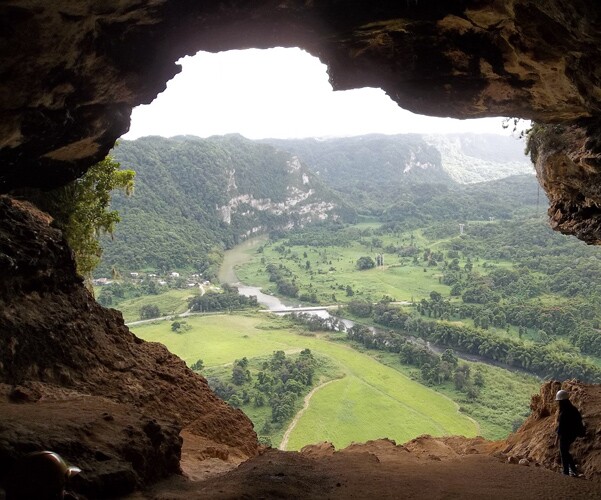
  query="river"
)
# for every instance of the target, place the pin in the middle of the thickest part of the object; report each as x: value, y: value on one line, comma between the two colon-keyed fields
x: 242, y: 253
x: 237, y: 256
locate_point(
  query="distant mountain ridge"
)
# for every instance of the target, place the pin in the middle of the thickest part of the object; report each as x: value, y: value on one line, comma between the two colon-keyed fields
x: 471, y: 158
x: 194, y: 197
x: 387, y: 163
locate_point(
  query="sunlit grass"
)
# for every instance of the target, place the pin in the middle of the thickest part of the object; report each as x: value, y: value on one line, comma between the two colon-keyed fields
x: 170, y: 302
x: 377, y: 401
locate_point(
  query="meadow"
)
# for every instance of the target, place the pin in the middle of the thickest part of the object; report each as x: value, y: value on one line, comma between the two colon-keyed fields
x: 170, y: 302
x: 370, y: 401
x: 329, y: 270
x: 371, y: 394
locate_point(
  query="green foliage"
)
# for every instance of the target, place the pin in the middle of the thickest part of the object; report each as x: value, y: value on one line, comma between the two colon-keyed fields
x: 543, y: 137
x: 198, y: 365
x: 180, y: 326
x: 240, y: 372
x: 81, y: 209
x: 546, y: 361
x: 365, y: 262
x: 228, y: 300
x: 361, y: 308
x: 281, y: 277
x: 281, y: 381
x: 149, y: 311
x: 173, y: 220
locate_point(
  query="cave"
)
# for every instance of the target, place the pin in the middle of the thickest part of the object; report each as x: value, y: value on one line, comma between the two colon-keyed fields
x: 73, y: 377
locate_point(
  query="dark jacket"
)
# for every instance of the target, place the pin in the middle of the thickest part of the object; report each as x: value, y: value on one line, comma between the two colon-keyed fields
x: 569, y: 421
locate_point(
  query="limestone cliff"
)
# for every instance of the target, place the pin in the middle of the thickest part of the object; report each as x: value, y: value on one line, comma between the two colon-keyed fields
x: 57, y: 344
x: 535, y: 440
x: 71, y: 73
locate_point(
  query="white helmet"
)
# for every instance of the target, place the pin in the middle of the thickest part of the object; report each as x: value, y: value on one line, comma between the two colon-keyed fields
x: 561, y: 395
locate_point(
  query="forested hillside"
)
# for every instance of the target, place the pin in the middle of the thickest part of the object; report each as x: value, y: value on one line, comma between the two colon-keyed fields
x: 424, y: 204
x: 194, y: 197
x: 374, y: 170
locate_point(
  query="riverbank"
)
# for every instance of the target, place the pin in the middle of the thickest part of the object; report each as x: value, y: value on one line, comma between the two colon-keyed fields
x: 240, y: 254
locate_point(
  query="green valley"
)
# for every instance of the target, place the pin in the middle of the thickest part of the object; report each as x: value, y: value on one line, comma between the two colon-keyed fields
x: 366, y: 400
x: 463, y: 299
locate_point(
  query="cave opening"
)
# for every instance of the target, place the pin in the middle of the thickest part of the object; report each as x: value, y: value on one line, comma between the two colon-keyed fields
x: 265, y: 94
x: 73, y: 376
x: 279, y: 93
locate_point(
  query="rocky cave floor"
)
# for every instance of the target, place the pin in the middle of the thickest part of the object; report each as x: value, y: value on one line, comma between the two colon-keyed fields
x: 423, y: 468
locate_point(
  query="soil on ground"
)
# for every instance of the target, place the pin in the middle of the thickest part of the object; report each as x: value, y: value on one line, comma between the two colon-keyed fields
x: 425, y: 468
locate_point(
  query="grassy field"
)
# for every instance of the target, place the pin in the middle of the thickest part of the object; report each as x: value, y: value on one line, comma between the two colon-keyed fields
x: 371, y: 400
x: 171, y: 302
x: 503, y: 401
x: 331, y: 269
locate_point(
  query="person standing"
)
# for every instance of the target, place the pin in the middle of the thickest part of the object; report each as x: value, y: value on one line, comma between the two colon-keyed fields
x: 569, y: 427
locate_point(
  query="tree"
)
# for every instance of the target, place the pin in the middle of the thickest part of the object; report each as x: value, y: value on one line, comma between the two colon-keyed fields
x: 149, y: 311
x: 449, y: 356
x: 360, y: 308
x: 479, y: 379
x: 459, y: 379
x: 365, y: 263
x: 240, y: 372
x: 259, y: 399
x: 282, y: 408
x: 81, y: 210
x: 235, y: 401
x: 198, y: 365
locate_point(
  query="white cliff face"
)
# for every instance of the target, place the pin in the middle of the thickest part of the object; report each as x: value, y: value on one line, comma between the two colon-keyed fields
x: 415, y: 163
x: 300, y: 201
x: 231, y: 182
x: 294, y: 164
x: 468, y: 166
x: 293, y: 204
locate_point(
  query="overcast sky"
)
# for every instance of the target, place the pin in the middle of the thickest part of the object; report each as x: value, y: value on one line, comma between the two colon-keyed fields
x: 281, y: 93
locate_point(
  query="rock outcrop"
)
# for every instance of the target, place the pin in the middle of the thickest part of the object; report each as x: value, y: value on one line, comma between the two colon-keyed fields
x: 58, y: 344
x: 568, y: 165
x: 71, y: 72
x: 535, y: 439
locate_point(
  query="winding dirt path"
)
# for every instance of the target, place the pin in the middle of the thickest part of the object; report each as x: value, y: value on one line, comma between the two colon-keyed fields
x: 296, y: 418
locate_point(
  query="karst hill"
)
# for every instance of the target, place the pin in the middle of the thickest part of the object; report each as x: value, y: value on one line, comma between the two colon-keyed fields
x: 75, y: 380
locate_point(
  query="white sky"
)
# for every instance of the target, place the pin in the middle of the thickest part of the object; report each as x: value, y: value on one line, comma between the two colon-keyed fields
x: 281, y: 93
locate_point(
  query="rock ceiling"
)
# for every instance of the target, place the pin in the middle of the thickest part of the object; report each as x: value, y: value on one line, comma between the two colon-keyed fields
x: 72, y: 71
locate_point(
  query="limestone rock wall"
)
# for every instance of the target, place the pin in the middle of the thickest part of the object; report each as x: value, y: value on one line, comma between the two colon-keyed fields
x: 568, y: 165
x: 535, y: 439
x: 57, y: 343
x: 72, y: 71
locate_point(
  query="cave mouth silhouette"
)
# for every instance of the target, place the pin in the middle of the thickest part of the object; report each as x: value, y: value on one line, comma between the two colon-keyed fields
x: 279, y: 93
x: 88, y: 66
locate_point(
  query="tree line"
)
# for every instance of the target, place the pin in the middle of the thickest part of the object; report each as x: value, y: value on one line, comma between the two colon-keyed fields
x: 228, y: 300
x: 279, y: 383
x: 544, y: 360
